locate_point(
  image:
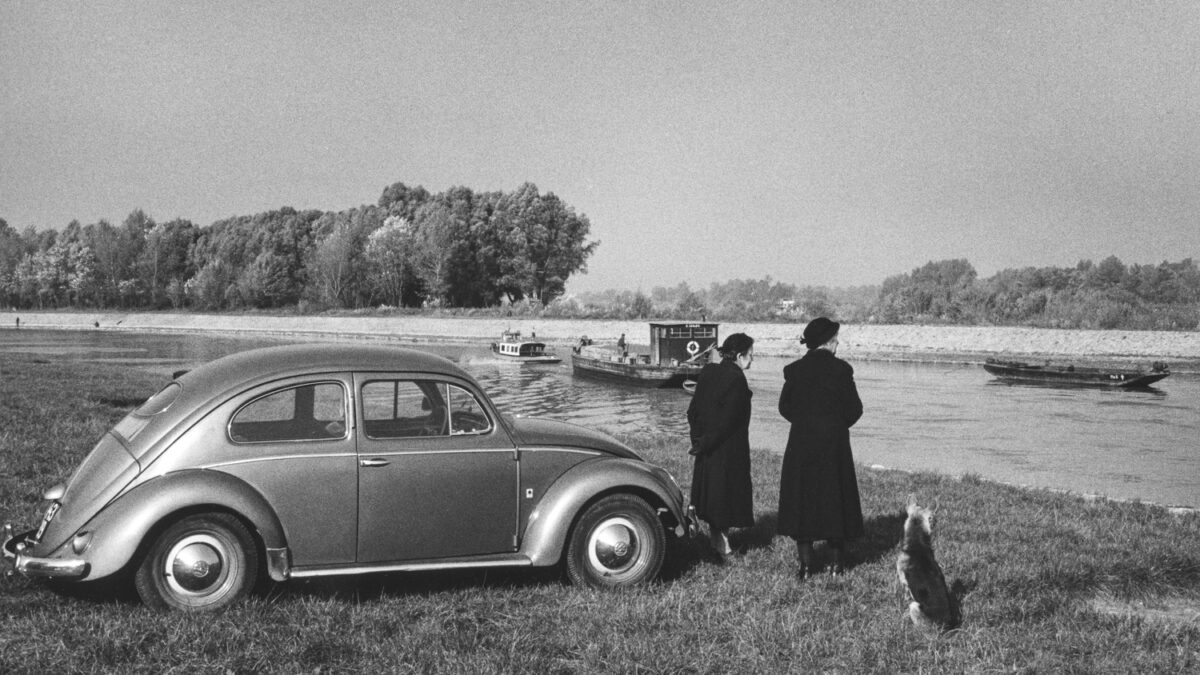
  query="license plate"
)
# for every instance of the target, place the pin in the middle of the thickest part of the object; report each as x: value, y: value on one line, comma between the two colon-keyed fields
x: 54, y: 506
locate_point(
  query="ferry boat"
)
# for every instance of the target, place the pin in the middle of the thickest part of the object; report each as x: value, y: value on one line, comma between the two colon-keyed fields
x: 512, y: 347
x: 677, y: 353
x: 1019, y: 371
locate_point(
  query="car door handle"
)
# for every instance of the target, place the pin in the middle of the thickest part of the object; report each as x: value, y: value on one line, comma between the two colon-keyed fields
x: 374, y: 462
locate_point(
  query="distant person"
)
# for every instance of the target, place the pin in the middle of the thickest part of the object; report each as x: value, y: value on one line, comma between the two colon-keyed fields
x: 719, y: 421
x: 621, y: 344
x: 818, y: 489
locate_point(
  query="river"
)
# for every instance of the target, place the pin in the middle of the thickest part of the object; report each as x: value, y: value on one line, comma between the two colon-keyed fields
x: 922, y: 417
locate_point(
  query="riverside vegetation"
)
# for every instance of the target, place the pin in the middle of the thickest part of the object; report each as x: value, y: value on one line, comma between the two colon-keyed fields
x: 1048, y: 583
x: 504, y: 252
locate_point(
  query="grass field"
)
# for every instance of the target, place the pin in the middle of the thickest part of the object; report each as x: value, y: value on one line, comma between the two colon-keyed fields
x: 1048, y: 583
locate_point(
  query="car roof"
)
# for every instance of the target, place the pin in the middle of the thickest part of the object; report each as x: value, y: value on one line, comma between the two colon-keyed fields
x: 285, y: 360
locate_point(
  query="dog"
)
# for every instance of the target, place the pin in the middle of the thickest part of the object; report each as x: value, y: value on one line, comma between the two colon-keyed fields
x: 932, y: 605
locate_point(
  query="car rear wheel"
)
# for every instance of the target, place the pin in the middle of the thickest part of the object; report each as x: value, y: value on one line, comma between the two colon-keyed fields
x: 618, y: 541
x: 200, y: 563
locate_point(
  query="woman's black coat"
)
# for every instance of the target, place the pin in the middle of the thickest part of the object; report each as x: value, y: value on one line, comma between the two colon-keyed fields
x: 719, y: 417
x: 818, y: 491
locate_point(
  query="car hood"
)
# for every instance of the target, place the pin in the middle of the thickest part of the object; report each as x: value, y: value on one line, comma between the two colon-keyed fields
x: 540, y: 432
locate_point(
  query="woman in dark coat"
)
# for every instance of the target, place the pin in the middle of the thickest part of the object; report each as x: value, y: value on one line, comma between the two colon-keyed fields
x: 818, y: 491
x: 719, y: 418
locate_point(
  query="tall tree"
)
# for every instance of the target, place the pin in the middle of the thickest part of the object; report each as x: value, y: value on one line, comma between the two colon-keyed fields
x: 551, y: 244
x: 336, y: 266
x: 387, y: 257
x: 12, y: 249
x: 165, y: 264
x: 433, y: 238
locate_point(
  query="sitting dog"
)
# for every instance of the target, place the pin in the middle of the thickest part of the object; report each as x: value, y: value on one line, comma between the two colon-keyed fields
x: 931, y: 607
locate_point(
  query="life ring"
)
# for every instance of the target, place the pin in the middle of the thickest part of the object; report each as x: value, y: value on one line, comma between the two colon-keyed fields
x: 693, y: 347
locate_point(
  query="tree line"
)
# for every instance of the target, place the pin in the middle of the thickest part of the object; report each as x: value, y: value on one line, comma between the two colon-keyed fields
x: 458, y: 248
x: 1104, y: 295
x: 512, y: 253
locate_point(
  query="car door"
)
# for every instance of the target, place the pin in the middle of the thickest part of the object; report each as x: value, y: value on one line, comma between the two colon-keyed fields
x: 290, y: 441
x: 438, y: 477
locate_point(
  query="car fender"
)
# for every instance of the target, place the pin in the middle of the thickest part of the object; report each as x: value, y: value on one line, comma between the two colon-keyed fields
x: 120, y: 529
x: 550, y: 523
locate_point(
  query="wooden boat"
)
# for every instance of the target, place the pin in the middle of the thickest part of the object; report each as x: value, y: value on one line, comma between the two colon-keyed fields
x: 677, y: 352
x: 512, y: 347
x: 1019, y: 371
x: 689, y: 387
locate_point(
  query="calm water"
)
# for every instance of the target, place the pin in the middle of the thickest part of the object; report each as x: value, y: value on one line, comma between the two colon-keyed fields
x: 951, y: 419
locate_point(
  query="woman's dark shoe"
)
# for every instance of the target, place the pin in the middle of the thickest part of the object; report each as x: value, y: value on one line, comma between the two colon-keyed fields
x: 837, y: 567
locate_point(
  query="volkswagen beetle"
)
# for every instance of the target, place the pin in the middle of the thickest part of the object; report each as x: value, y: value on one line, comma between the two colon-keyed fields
x: 314, y: 460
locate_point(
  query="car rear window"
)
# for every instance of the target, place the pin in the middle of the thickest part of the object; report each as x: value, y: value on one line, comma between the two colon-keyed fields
x: 160, y: 401
x: 137, y: 420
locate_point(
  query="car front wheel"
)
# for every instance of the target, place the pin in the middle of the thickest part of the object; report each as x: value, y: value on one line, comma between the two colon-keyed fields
x: 200, y: 563
x: 618, y: 541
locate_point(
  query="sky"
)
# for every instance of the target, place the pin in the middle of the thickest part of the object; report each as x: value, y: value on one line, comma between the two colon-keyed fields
x: 815, y: 143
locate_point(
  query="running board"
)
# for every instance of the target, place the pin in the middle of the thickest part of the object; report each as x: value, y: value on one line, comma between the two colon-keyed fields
x: 513, y: 560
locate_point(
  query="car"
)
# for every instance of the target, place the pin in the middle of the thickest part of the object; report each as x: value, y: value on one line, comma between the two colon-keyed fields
x: 300, y: 461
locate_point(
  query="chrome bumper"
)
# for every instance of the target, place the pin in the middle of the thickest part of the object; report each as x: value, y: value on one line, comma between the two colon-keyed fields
x: 30, y: 566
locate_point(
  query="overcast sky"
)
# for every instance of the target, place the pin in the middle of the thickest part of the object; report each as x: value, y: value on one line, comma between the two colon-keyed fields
x: 830, y: 143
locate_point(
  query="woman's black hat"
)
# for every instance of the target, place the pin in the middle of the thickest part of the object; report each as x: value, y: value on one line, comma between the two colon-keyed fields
x: 819, y: 331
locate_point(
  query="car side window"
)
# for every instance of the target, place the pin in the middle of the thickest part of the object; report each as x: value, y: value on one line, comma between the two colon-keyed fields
x: 467, y: 416
x: 306, y: 412
x: 419, y: 408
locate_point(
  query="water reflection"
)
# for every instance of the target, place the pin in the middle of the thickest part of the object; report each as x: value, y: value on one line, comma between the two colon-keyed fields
x: 951, y: 419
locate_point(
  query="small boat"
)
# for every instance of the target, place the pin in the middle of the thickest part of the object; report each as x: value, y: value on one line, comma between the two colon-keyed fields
x: 512, y: 347
x: 689, y: 387
x: 1019, y: 371
x: 677, y: 353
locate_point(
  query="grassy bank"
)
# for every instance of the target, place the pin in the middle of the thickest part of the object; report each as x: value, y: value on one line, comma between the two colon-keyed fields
x: 1049, y: 583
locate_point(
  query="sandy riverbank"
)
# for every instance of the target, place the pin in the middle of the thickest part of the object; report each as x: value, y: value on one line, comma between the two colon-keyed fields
x: 868, y: 341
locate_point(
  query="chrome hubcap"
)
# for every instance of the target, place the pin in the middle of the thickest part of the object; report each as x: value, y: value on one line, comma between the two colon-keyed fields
x: 196, y: 564
x: 614, y: 546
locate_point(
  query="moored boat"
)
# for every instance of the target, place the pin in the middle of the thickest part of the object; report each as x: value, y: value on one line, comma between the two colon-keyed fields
x: 1070, y: 374
x: 512, y: 347
x: 677, y: 353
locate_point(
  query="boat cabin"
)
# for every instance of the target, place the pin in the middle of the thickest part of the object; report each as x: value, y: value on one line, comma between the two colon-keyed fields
x: 677, y: 342
x: 513, y: 345
x: 518, y: 349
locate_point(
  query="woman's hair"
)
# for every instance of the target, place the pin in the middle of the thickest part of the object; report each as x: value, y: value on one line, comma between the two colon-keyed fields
x: 736, y: 345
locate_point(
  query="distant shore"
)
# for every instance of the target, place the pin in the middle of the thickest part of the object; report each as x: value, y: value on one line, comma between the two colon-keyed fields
x: 961, y: 344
